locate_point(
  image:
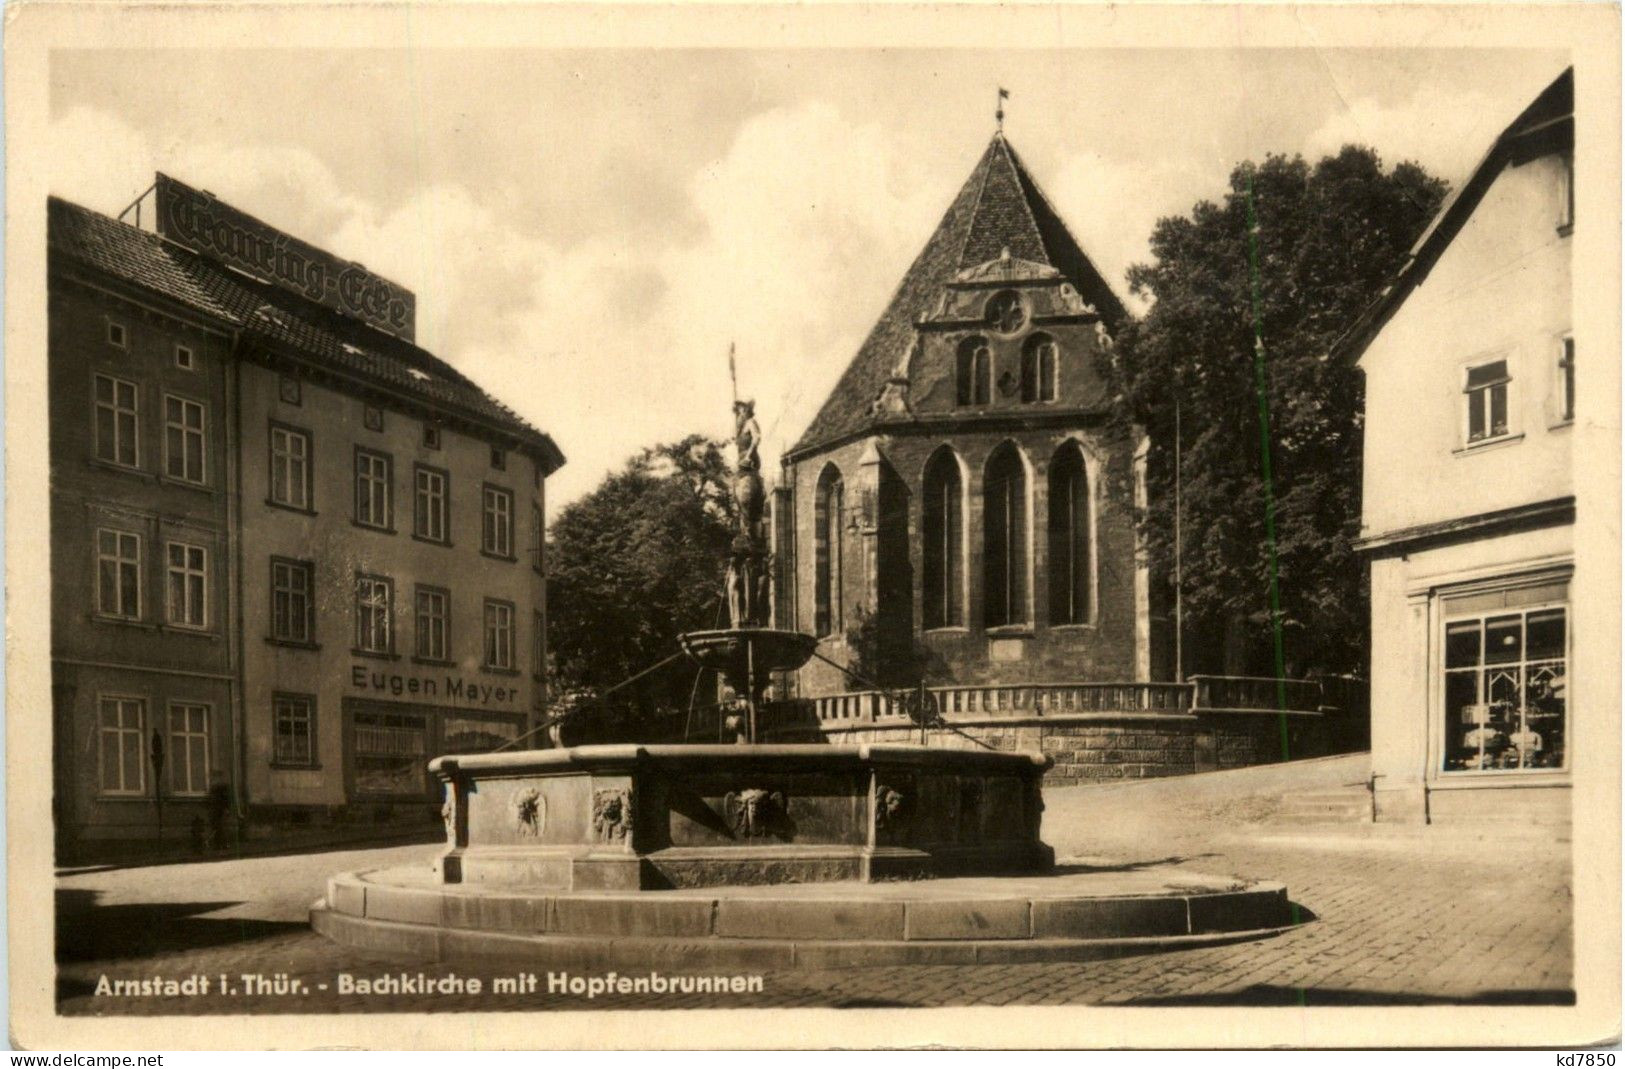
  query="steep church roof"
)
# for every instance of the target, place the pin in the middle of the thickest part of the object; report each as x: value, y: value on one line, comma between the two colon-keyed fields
x: 999, y: 210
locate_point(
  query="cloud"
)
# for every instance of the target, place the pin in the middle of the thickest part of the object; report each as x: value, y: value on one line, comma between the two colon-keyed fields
x: 1450, y: 129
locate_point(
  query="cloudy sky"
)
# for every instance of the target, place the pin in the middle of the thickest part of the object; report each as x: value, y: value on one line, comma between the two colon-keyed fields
x: 586, y: 231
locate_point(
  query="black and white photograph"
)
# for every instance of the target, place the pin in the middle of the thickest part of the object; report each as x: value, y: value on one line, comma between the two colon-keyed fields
x: 650, y: 521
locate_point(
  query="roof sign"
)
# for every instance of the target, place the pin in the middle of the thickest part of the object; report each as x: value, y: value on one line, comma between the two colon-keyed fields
x: 207, y: 226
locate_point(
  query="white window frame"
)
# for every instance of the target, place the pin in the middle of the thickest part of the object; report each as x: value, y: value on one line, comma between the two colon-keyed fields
x: 190, y: 575
x: 300, y: 707
x: 303, y: 596
x: 1436, y: 772
x: 118, y: 334
x: 374, y: 612
x: 425, y: 634
x: 499, y: 635
x: 431, y: 508
x: 496, y: 527
x: 185, y: 433
x: 180, y: 741
x: 374, y: 472
x: 283, y: 457
x: 117, y: 413
x: 125, y: 735
x: 1469, y: 397
x: 185, y: 357
x: 119, y: 560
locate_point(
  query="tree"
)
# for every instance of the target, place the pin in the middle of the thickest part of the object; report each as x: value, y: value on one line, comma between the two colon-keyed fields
x: 1328, y: 238
x: 633, y: 564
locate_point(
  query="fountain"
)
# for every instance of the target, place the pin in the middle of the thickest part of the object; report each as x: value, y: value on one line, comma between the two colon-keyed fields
x: 761, y: 853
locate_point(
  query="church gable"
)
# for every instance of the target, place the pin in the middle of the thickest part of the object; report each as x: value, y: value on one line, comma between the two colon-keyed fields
x: 998, y: 234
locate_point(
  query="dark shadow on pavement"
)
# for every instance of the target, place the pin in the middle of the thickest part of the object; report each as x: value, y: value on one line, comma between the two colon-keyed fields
x: 1278, y: 995
x: 86, y: 931
x: 427, y: 836
x: 1129, y: 866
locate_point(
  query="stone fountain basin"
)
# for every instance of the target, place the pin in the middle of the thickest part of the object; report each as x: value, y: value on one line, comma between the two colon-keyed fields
x: 768, y: 650
x: 658, y: 817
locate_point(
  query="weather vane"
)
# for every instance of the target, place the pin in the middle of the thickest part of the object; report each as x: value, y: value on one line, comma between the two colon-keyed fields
x: 1004, y: 94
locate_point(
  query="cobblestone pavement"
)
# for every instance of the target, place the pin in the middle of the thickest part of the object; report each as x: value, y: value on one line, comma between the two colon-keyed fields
x: 1390, y: 919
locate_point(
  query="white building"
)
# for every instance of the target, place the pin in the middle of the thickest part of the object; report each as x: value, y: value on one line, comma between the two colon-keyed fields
x: 1469, y: 491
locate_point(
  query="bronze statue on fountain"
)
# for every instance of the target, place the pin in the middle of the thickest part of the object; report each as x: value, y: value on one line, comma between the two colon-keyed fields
x: 748, y: 651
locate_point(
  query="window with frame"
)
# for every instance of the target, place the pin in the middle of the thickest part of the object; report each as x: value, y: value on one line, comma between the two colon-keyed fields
x: 536, y: 537
x: 538, y: 644
x: 121, y: 750
x: 188, y: 750
x: 431, y: 436
x: 1070, y: 560
x: 292, y: 608
x: 499, y: 636
x: 1004, y: 539
x: 118, y: 421
x: 184, y: 436
x: 974, y: 371
x: 373, y: 605
x: 433, y: 613
x: 391, y: 753
x: 118, y: 573
x: 942, y: 527
x: 372, y: 483
x: 185, y: 359
x: 499, y: 458
x: 1565, y: 201
x: 497, y: 535
x: 828, y: 513
x: 294, y: 716
x: 1565, y: 379
x: 1506, y: 688
x: 1038, y: 367
x: 290, y: 467
x: 118, y: 336
x: 188, y: 585
x: 430, y: 509
x: 1486, y: 391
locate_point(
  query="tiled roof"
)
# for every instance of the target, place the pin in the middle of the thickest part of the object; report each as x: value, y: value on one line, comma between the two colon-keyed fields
x: 275, y: 315
x: 999, y: 208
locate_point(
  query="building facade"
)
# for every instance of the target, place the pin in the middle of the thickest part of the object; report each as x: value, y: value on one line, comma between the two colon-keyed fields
x: 294, y: 555
x: 1468, y: 520
x: 962, y: 501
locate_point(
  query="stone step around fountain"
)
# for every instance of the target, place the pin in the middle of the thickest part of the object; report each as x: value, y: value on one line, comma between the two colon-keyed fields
x: 1071, y: 915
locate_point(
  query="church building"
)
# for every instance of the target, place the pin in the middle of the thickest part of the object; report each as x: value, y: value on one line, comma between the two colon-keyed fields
x: 962, y: 504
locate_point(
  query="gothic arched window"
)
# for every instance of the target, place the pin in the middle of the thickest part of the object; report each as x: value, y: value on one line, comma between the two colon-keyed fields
x: 943, y: 534
x: 1071, y: 556
x: 975, y: 371
x: 1038, y: 360
x: 1004, y: 539
x: 828, y: 512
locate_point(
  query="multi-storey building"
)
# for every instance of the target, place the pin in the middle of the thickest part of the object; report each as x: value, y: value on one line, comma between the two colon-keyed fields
x: 294, y: 554
x: 1468, y: 515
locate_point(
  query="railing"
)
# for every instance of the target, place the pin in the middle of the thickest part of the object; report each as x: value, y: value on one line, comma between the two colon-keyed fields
x: 1256, y: 692
x: 1200, y: 694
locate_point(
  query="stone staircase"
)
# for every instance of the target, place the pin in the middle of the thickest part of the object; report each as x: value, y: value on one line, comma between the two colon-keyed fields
x: 1343, y: 805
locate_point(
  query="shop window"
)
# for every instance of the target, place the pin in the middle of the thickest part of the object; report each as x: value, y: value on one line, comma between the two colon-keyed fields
x: 294, y: 716
x: 1070, y: 557
x: 118, y: 421
x: 390, y: 751
x: 290, y: 467
x: 1004, y: 545
x: 187, y: 585
x: 943, y: 532
x: 1486, y: 390
x: 1506, y: 690
x: 188, y: 750
x: 431, y: 504
x: 466, y: 735
x: 1038, y: 360
x: 974, y: 371
x: 499, y: 636
x: 827, y: 532
x: 122, y: 757
x: 374, y: 607
x: 372, y: 489
x: 118, y: 574
x: 184, y: 436
x: 433, y: 614
x: 497, y: 530
x: 292, y: 609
